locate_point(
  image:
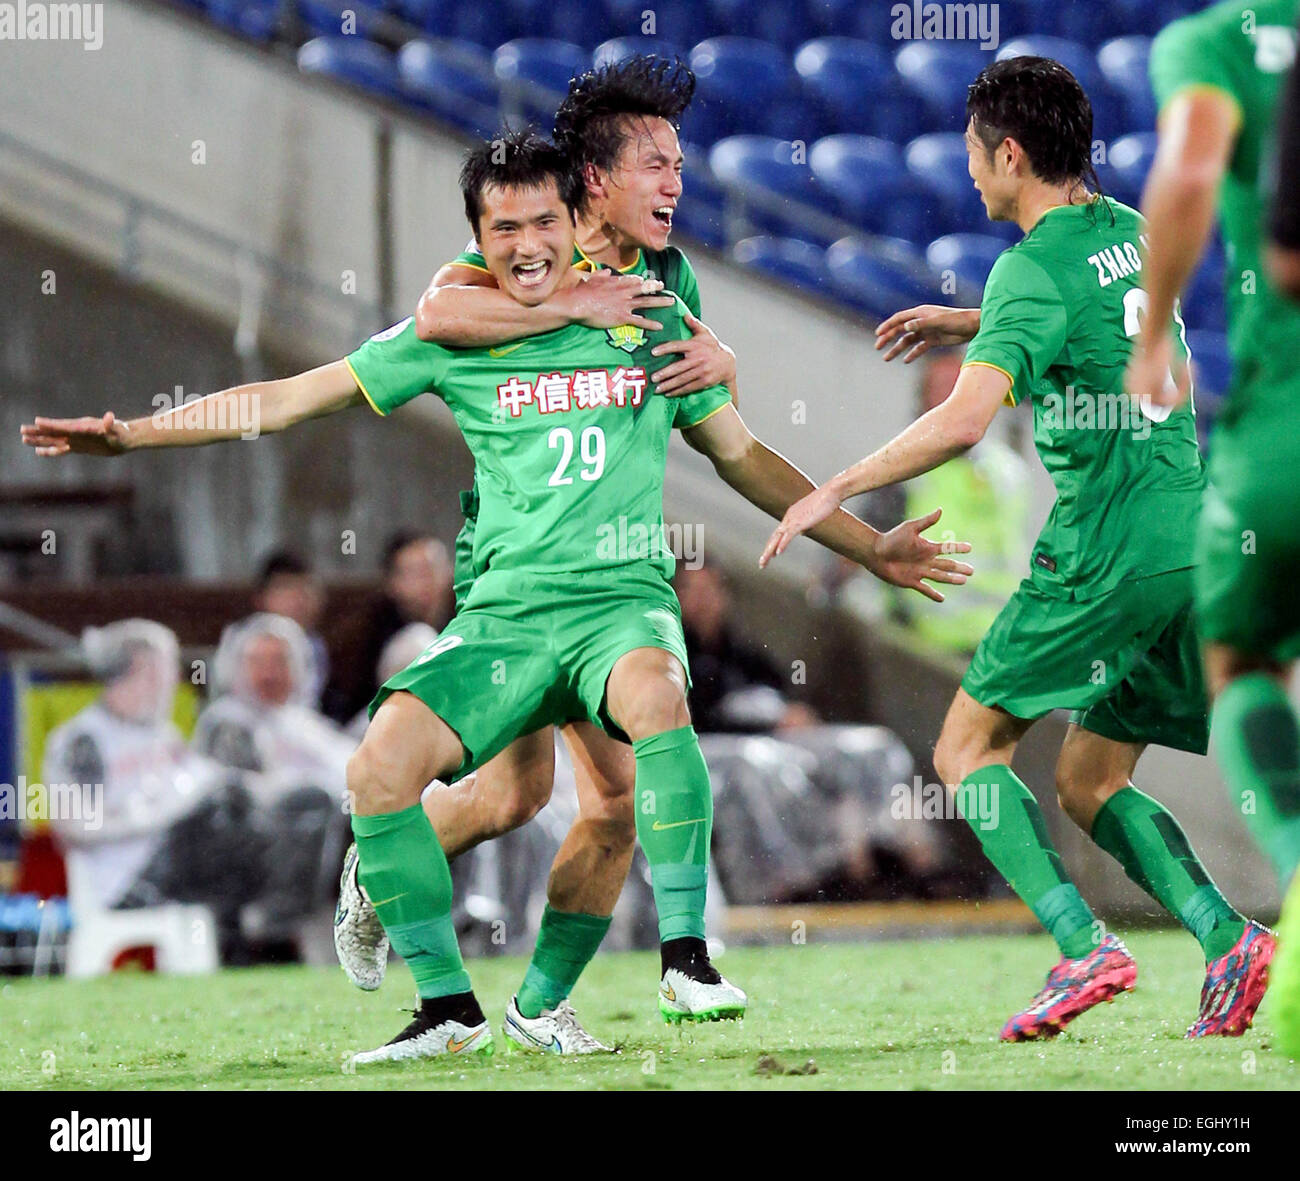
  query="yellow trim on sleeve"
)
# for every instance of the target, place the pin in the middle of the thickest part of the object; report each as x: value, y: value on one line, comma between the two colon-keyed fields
x: 365, y: 392
x: 1205, y: 88
x: 1010, y: 399
x: 473, y: 266
x: 711, y: 413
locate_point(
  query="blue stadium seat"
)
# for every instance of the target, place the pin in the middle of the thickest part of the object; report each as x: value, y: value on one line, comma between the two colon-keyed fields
x: 586, y: 22
x: 761, y: 170
x: 778, y: 22
x: 790, y: 259
x: 871, y: 186
x: 856, y: 85
x: 1127, y: 165
x: 1211, y: 364
x: 1123, y: 61
x: 1204, y: 303
x: 938, y: 163
x: 880, y: 276
x: 534, y: 73
x: 1107, y: 107
x: 938, y: 73
x: 701, y: 211
x: 327, y: 18
x: 683, y: 22
x: 746, y: 85
x: 617, y: 48
x: 257, y: 20
x: 483, y: 24
x: 968, y: 257
x: 455, y: 80
x: 363, y: 63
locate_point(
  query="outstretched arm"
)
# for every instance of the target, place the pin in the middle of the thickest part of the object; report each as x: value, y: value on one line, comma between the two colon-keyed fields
x: 242, y: 412
x: 941, y: 434
x: 773, y: 483
x: 464, y: 308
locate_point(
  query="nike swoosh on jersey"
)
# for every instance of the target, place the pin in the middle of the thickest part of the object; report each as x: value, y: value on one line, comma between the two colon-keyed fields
x: 505, y: 352
x: 657, y: 827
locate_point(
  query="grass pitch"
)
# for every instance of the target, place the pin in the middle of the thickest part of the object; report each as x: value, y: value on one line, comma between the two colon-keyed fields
x: 897, y: 1015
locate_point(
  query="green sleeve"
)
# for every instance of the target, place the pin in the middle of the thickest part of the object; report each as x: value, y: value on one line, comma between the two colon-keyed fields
x: 688, y: 287
x: 692, y: 409
x: 1194, y: 52
x: 469, y: 257
x: 394, y: 366
x: 1023, y: 323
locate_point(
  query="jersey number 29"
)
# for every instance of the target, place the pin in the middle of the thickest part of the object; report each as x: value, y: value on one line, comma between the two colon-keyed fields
x: 591, y: 450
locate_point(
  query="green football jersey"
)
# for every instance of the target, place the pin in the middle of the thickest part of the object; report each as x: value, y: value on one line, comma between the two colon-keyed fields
x: 1060, y: 310
x: 568, y: 438
x: 1244, y: 50
x: 670, y: 266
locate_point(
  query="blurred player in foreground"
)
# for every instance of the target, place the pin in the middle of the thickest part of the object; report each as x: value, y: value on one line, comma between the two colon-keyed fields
x: 618, y: 127
x: 571, y: 614
x: 1217, y: 76
x: 1103, y: 624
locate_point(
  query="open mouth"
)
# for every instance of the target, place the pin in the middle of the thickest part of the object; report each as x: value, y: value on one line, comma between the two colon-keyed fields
x: 664, y: 216
x: 531, y: 274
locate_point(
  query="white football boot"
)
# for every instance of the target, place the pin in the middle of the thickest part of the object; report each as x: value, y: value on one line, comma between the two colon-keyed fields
x: 359, y: 938
x: 423, y: 1039
x: 557, y: 1031
x: 688, y: 998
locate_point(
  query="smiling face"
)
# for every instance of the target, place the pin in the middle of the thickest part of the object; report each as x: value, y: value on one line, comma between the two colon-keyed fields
x: 526, y: 236
x: 638, y: 196
x: 994, y: 178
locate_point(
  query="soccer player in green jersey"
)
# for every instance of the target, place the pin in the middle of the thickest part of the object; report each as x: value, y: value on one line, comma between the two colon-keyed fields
x: 1103, y: 624
x: 1217, y: 76
x: 618, y: 127
x: 571, y: 613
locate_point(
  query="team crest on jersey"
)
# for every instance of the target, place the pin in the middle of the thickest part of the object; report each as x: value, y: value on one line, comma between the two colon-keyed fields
x: 627, y: 337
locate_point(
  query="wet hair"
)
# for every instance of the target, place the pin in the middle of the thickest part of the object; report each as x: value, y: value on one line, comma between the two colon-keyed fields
x: 1037, y: 102
x: 591, y: 125
x: 514, y: 159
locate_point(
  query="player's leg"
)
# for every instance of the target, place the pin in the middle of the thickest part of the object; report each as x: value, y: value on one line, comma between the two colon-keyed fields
x: 645, y: 696
x: 1257, y: 743
x: 586, y: 879
x: 404, y: 872
x: 503, y: 794
x: 1162, y: 700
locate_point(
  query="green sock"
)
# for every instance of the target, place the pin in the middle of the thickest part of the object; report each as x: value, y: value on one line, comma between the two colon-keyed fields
x: 674, y: 823
x: 1015, y: 840
x: 565, y: 945
x: 1143, y: 836
x: 1257, y: 741
x: 405, y: 875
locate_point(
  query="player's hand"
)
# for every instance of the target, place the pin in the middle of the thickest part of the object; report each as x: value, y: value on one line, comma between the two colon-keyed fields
x: 705, y: 361
x: 607, y: 299
x: 1154, y: 374
x: 915, y: 331
x: 903, y: 558
x: 78, y: 436
x: 801, y: 516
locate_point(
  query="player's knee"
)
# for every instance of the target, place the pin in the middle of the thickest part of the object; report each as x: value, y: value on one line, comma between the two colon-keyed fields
x: 370, y: 789
x: 950, y: 759
x: 517, y: 807
x: 1081, y: 792
x: 656, y: 712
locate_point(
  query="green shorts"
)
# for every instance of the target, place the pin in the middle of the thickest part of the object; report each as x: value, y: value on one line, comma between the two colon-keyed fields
x: 1127, y: 663
x: 528, y: 650
x: 1248, y: 546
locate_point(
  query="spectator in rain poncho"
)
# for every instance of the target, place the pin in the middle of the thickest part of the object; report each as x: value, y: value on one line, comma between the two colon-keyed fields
x: 142, y: 793
x: 261, y: 721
